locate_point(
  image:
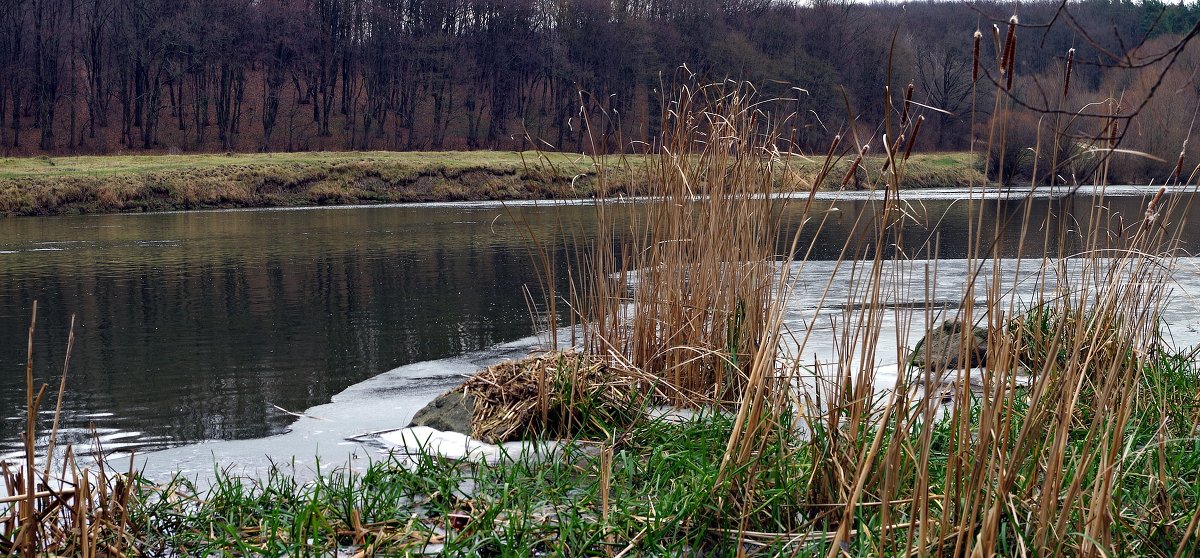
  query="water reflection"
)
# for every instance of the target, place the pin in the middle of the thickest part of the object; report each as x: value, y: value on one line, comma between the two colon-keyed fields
x: 197, y: 326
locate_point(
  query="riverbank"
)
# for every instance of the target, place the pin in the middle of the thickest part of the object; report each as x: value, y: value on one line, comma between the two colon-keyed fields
x: 144, y: 183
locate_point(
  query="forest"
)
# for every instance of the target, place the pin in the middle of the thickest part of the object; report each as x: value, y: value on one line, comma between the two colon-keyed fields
x: 170, y: 76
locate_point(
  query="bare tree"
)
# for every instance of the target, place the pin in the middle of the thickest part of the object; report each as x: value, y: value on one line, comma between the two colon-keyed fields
x: 944, y: 75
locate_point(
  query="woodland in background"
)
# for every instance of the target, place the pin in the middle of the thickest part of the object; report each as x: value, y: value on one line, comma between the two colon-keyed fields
x: 122, y: 76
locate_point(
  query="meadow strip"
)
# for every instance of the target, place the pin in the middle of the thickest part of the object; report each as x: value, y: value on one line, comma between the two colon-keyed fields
x: 137, y: 183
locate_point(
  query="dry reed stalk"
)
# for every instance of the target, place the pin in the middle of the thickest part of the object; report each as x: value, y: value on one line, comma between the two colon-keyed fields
x: 71, y: 513
x: 1015, y: 476
x: 27, y: 536
x: 702, y: 248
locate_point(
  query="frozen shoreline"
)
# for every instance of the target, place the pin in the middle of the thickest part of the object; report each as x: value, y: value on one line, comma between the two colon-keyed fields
x: 322, y: 436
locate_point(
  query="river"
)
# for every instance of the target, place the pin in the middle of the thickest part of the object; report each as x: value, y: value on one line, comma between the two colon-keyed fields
x: 210, y: 332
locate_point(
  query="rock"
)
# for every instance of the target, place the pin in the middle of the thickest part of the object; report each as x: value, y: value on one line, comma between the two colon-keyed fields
x: 450, y: 411
x: 942, y: 348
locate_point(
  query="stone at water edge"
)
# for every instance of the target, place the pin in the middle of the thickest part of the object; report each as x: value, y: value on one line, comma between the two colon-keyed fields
x: 450, y: 411
x: 942, y: 348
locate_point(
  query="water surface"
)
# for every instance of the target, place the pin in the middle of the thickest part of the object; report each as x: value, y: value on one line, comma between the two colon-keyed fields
x: 221, y: 325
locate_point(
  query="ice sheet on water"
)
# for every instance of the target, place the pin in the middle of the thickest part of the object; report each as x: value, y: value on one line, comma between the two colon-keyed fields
x: 387, y: 402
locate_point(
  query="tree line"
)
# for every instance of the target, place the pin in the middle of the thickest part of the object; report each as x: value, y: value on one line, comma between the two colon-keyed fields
x: 104, y: 76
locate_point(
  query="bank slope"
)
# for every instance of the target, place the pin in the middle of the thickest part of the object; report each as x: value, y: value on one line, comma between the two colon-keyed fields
x: 120, y: 183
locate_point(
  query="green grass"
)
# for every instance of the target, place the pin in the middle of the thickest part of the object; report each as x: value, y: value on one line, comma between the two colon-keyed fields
x: 658, y: 483
x: 921, y: 170
x: 661, y: 492
x: 659, y: 479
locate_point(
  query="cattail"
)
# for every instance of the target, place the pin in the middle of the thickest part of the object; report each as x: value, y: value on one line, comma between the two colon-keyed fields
x: 854, y: 166
x: 913, y: 140
x: 1007, y: 62
x: 1009, y: 42
x: 1067, y: 73
x: 892, y: 149
x: 850, y: 174
x: 833, y: 146
x: 908, y: 93
x: 827, y: 167
x: 1011, y: 71
x: 975, y: 59
x: 1152, y: 207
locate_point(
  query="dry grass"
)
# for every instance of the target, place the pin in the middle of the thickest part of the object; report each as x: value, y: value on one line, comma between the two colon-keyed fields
x: 1070, y: 447
x: 63, y: 508
x: 115, y: 183
x: 701, y: 250
x: 557, y: 395
x: 40, y: 186
x: 1079, y: 440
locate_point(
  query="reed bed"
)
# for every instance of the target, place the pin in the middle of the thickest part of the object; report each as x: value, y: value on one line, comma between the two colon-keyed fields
x: 1076, y: 439
x: 701, y: 249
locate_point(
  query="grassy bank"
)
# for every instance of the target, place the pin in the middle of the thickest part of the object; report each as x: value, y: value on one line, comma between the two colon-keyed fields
x: 124, y: 183
x: 107, y: 184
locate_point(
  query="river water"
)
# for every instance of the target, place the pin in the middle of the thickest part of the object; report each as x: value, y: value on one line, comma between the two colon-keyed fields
x: 210, y: 332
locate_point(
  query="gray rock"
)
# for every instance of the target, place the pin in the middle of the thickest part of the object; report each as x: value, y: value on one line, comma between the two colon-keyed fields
x: 450, y: 411
x: 942, y: 348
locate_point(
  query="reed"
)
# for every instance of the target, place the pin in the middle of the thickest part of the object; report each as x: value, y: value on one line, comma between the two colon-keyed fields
x: 55, y: 504
x: 701, y: 248
x: 1078, y: 439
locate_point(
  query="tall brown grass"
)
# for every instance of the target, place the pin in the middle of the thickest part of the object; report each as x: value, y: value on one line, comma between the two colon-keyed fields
x: 700, y: 248
x: 1062, y: 446
x: 55, y: 505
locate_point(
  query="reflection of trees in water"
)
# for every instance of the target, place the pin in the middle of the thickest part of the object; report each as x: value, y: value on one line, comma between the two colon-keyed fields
x: 200, y: 346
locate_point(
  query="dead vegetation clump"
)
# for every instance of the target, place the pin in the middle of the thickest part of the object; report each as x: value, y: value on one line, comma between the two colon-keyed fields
x: 560, y: 394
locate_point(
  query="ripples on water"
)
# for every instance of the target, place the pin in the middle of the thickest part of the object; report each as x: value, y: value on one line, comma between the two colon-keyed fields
x: 211, y: 325
x: 198, y: 326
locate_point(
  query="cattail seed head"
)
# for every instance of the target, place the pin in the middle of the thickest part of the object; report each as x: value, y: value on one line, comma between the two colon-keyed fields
x: 1179, y: 163
x: 833, y: 147
x: 853, y: 168
x: 1011, y: 70
x: 1010, y: 44
x: 975, y: 58
x: 891, y: 149
x: 1067, y: 73
x: 1152, y: 207
x: 913, y: 139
